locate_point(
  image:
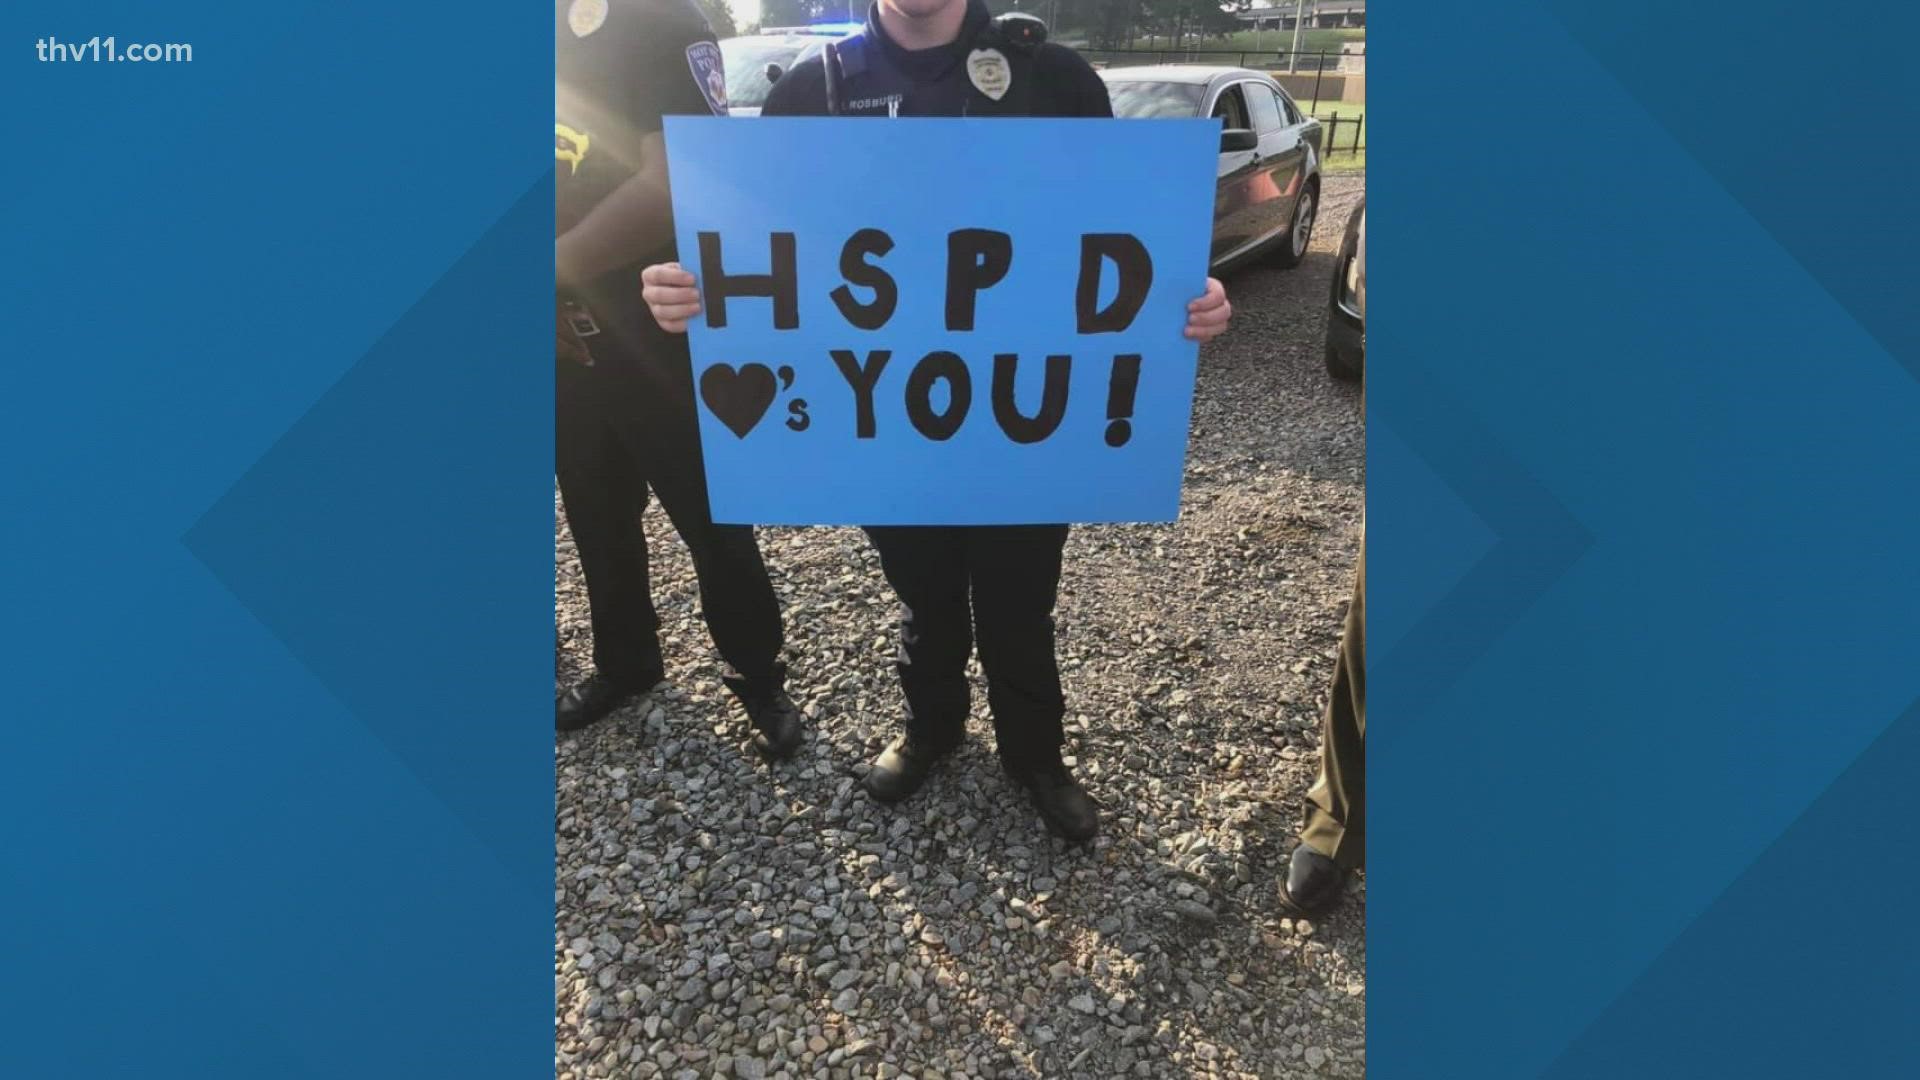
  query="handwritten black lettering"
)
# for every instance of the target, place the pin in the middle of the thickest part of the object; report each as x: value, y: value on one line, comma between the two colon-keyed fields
x: 932, y: 368
x: 976, y: 259
x: 1053, y: 398
x: 862, y: 377
x: 1130, y: 257
x: 858, y: 271
x: 716, y: 285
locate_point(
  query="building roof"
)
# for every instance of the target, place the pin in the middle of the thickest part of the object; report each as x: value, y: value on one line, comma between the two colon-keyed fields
x: 1313, y: 7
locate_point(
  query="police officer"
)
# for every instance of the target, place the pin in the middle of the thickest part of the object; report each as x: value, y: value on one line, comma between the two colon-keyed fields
x: 625, y: 415
x: 995, y: 584
x: 1333, y: 841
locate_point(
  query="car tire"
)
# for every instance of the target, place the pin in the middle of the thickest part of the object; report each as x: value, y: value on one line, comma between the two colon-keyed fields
x: 1346, y: 365
x: 1346, y: 347
x: 1293, y: 246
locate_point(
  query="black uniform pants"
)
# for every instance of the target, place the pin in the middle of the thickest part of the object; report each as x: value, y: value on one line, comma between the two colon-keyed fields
x: 621, y: 430
x: 1000, y: 581
x: 1336, y: 823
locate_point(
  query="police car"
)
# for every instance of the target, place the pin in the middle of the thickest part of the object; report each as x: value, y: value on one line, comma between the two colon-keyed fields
x: 1347, y: 305
x: 756, y: 61
x: 1269, y: 171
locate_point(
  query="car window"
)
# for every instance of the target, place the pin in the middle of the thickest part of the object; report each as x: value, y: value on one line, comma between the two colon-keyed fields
x: 1232, y: 108
x: 1139, y: 98
x: 1293, y: 111
x: 746, y: 61
x: 1265, y: 108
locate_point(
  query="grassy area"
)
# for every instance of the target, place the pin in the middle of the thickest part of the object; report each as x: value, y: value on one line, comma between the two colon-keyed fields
x: 1341, y: 159
x: 1277, y: 40
x: 1347, y: 163
x: 1348, y: 110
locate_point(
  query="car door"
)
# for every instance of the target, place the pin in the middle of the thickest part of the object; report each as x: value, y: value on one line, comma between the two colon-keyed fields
x: 1283, y: 158
x: 1235, y: 218
x: 1308, y: 128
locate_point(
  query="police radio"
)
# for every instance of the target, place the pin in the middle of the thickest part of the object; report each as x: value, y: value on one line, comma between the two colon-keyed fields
x: 1021, y: 31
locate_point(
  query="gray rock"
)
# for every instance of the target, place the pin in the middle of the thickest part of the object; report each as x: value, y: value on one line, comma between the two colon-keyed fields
x: 1195, y: 912
x: 1194, y: 657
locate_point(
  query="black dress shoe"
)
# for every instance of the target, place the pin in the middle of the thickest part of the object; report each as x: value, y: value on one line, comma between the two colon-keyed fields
x: 1070, y: 813
x: 596, y: 697
x: 901, y: 768
x: 777, y: 731
x: 1313, y: 882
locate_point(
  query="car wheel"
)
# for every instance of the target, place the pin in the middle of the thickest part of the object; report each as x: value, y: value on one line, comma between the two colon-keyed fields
x: 1345, y: 361
x: 1293, y: 247
x: 1346, y: 331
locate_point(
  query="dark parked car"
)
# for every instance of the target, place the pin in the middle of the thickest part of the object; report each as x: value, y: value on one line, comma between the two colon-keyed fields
x: 1269, y: 178
x: 755, y: 62
x: 1347, y: 306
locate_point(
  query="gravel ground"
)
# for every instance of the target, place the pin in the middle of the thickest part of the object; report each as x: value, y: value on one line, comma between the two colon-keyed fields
x: 720, y: 917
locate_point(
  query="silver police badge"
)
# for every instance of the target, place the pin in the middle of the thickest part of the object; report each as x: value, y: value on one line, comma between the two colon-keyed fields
x: 990, y: 72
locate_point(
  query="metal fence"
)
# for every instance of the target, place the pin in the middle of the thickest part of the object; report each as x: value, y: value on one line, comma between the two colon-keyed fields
x: 1333, y: 125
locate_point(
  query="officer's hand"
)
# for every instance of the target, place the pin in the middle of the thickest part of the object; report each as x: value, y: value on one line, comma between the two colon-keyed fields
x: 671, y: 295
x: 1207, y: 317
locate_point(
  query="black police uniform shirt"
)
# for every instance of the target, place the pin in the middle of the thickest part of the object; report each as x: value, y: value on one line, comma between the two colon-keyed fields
x: 619, y: 66
x: 937, y: 83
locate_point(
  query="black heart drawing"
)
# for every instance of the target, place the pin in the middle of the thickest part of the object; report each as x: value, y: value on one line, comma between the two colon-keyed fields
x: 738, y: 398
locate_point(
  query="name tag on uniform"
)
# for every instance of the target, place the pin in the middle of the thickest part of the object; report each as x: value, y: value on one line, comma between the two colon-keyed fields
x: 891, y: 103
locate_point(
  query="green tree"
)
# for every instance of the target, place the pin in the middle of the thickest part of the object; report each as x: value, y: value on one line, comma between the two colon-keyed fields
x: 1181, y: 23
x: 1108, y: 24
x: 719, y: 16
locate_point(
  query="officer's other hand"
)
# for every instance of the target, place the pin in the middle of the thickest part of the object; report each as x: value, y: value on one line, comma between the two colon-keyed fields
x: 1207, y: 317
x: 671, y: 295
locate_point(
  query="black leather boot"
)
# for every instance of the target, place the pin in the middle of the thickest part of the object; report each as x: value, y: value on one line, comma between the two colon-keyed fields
x: 777, y: 728
x: 597, y: 696
x: 777, y: 724
x: 1070, y: 813
x: 1313, y: 882
x: 901, y: 768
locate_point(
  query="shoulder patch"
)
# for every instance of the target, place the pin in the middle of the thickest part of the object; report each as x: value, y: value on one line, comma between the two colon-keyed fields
x: 710, y: 71
x: 570, y: 146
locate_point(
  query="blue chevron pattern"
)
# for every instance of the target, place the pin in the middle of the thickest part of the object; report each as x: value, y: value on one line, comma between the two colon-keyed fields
x: 1657, y: 341
x: 275, y: 798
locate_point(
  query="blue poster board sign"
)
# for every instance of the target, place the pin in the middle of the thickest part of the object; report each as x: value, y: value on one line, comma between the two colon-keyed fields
x: 943, y: 321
